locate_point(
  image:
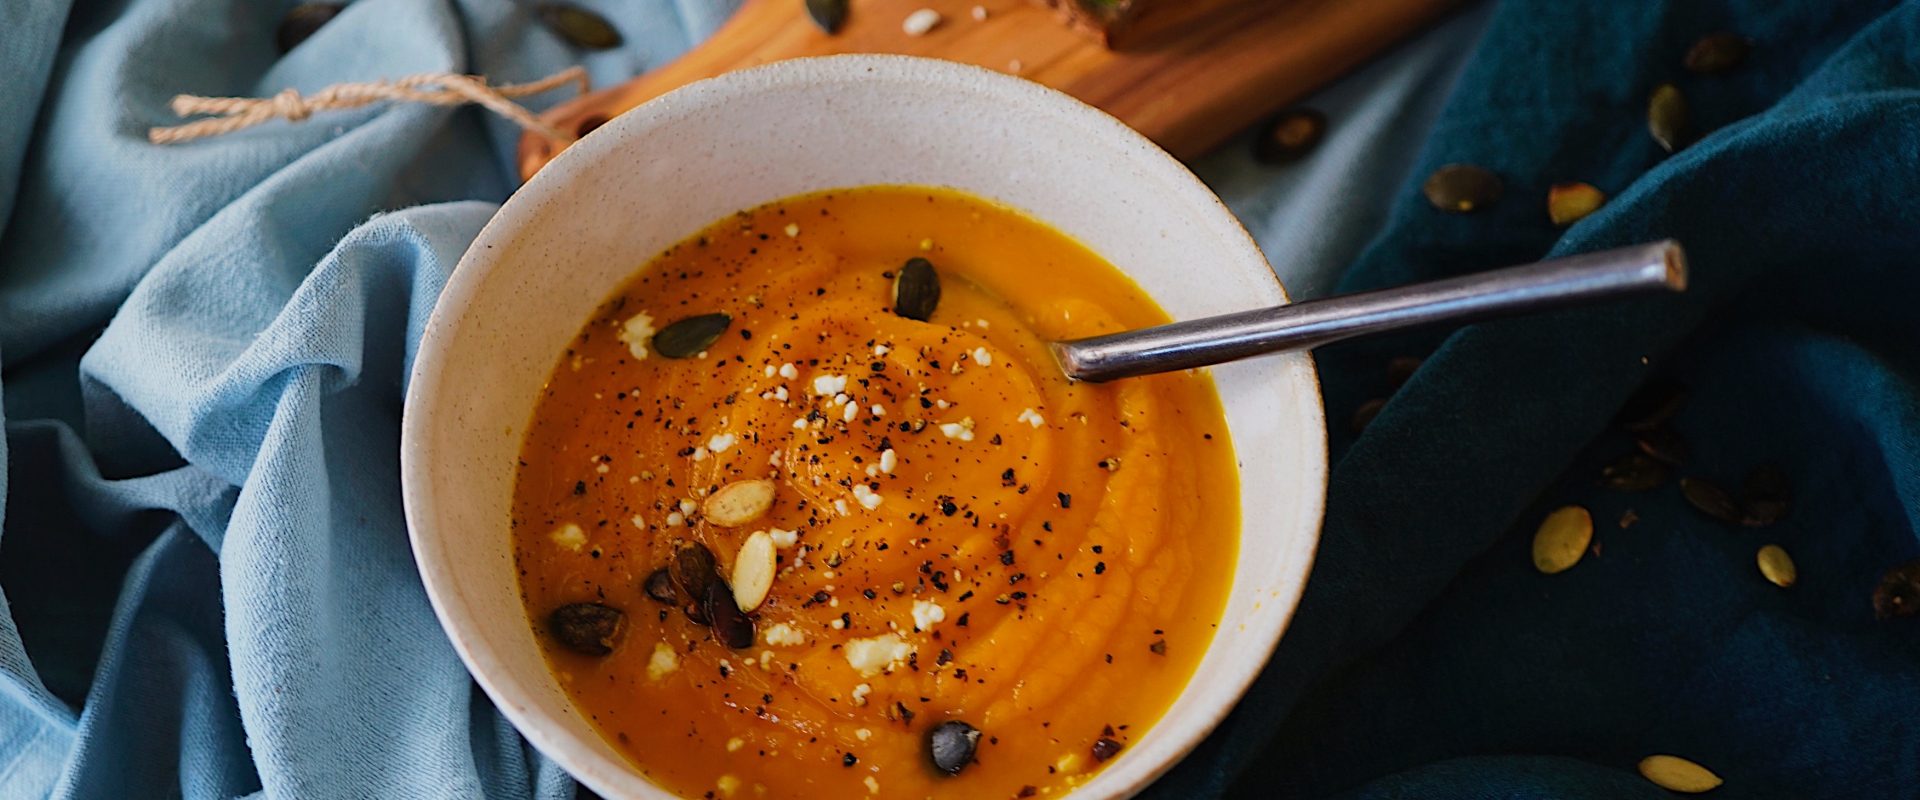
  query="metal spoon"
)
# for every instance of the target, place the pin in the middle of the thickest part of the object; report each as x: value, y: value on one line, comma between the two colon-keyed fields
x: 1640, y: 269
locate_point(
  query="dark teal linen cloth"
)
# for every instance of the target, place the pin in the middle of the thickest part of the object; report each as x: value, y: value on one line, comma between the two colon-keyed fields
x: 1430, y: 659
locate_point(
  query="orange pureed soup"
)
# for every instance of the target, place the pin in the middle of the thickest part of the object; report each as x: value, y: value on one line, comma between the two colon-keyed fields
x: 781, y: 538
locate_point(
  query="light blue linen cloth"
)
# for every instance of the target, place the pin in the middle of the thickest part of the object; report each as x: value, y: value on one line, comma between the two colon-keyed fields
x: 208, y: 591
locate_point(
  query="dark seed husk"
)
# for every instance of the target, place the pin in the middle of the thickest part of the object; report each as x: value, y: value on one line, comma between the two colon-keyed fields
x: 1667, y: 117
x: 302, y: 21
x: 1462, y: 188
x: 730, y: 625
x: 1717, y: 52
x: 579, y: 26
x: 1764, y: 497
x: 589, y: 628
x: 692, y: 568
x: 1105, y: 748
x: 828, y: 14
x: 688, y: 337
x: 1290, y: 136
x: 696, y: 612
x: 1363, y: 416
x: 1662, y: 443
x: 659, y: 586
x: 1634, y: 472
x: 1655, y: 402
x: 1400, y: 369
x: 1898, y: 594
x: 1710, y: 499
x: 916, y: 290
x: 951, y: 744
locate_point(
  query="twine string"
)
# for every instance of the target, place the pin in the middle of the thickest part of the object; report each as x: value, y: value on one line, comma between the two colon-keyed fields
x: 229, y: 114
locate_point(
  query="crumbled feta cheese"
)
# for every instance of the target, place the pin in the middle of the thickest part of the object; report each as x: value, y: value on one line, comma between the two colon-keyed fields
x: 927, y: 613
x: 878, y: 654
x: 873, y: 786
x: 837, y: 624
x: 637, y: 332
x: 868, y: 498
x: 942, y: 404
x: 675, y: 518
x: 638, y: 522
x: 981, y: 322
x: 789, y: 371
x: 851, y: 412
x: 780, y: 393
x: 877, y: 410
x: 840, y: 506
x: 979, y: 13
x: 770, y: 370
x: 800, y: 424
x: 860, y: 693
x: 603, y: 469
x: 793, y: 229
x: 873, y: 471
x: 663, y: 662
x: 982, y: 357
x: 863, y: 734
x: 687, y: 507
x: 727, y: 784
x: 881, y: 349
x: 962, y: 430
x: 721, y: 441
x: 699, y: 454
x: 734, y: 744
x: 781, y: 634
x: 829, y: 384
x: 783, y: 539
x: 570, y: 536
x: 888, y: 461
x: 773, y: 458
x: 919, y: 22
x: 1031, y: 417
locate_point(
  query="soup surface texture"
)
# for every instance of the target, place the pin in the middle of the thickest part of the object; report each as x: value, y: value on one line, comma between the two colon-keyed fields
x: 953, y: 531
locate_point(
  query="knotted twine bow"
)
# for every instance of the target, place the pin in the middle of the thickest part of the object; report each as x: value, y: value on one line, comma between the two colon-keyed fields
x: 238, y: 113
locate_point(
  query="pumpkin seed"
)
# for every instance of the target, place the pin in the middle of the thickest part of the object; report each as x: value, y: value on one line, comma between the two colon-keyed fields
x: 303, y: 21
x: 730, y: 625
x: 1776, y: 565
x: 1667, y: 117
x: 1567, y: 203
x: 659, y: 586
x: 916, y: 290
x: 1676, y: 774
x: 1898, y: 594
x: 1662, y: 443
x: 1363, y: 416
x: 1634, y: 472
x: 579, y: 26
x: 691, y: 336
x: 1562, y: 540
x: 588, y: 628
x: 1764, y: 496
x: 1710, y: 499
x: 1400, y: 369
x: 1655, y: 402
x: 1717, y: 52
x: 1290, y: 136
x: 951, y: 744
x: 1462, y: 188
x: 1105, y: 748
x: 738, y: 503
x: 753, y: 570
x: 693, y: 569
x: 828, y: 14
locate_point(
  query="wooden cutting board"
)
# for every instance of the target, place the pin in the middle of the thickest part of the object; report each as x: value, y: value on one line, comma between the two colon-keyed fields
x: 1188, y: 91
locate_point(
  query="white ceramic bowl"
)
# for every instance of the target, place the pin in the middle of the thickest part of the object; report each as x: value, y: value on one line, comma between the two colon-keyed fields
x: 662, y: 171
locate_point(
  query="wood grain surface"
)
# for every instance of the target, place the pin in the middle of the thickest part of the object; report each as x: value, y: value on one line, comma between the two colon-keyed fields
x: 1187, y: 89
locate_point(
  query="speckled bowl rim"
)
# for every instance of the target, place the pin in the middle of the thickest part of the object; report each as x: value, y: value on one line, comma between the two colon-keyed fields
x: 519, y: 704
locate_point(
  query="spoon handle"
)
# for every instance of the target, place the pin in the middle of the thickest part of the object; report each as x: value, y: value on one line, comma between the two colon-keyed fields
x: 1539, y: 286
